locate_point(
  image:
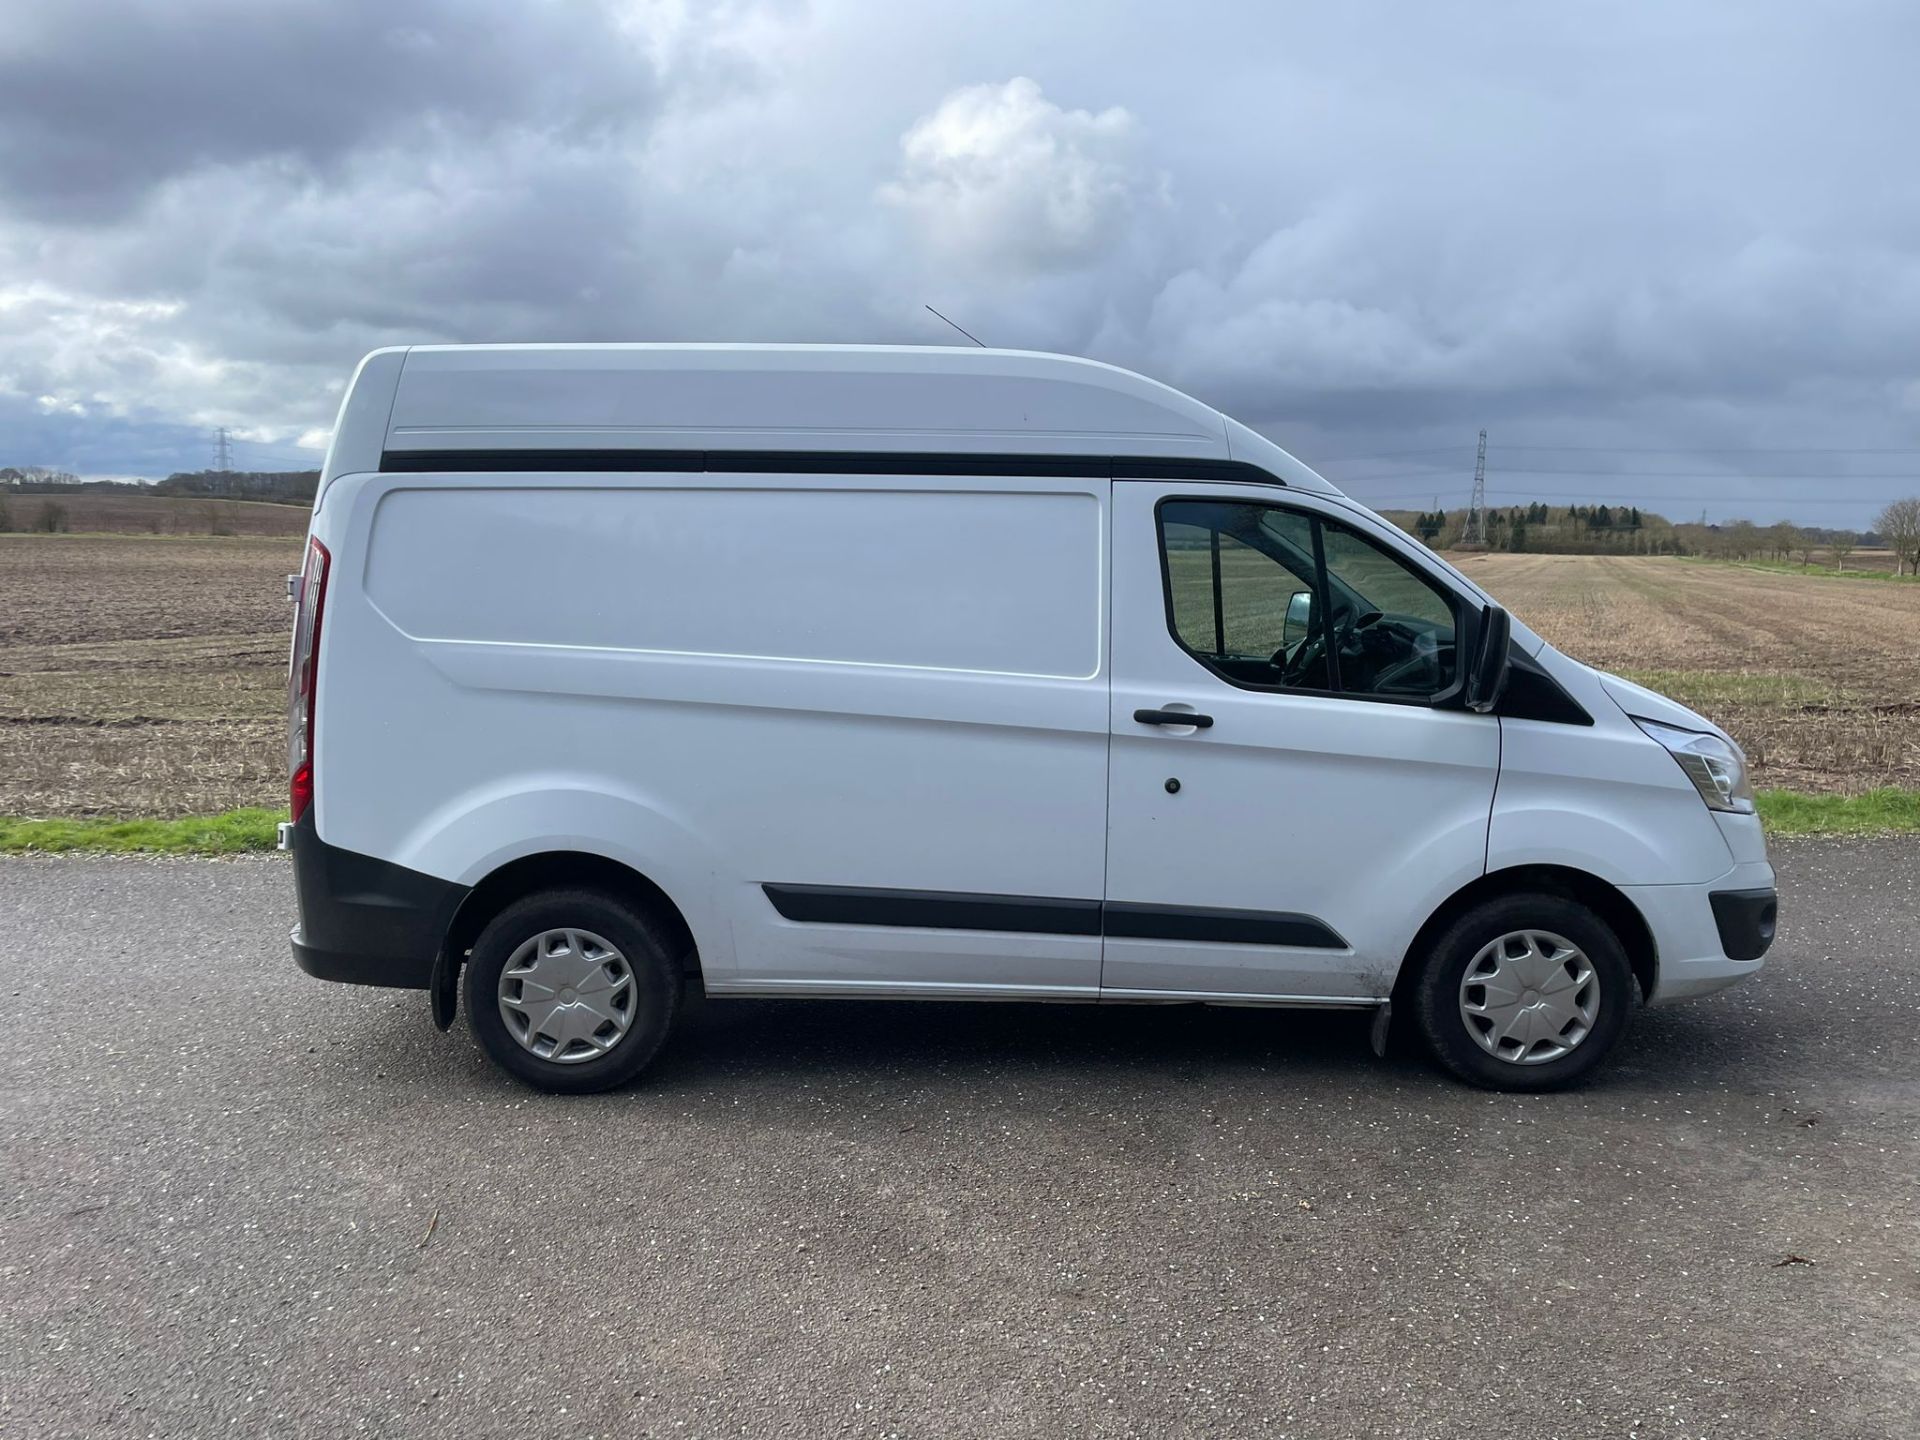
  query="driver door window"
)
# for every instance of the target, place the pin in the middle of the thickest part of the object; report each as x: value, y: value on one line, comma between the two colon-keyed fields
x: 1408, y: 652
x: 1271, y: 598
x: 1240, y: 589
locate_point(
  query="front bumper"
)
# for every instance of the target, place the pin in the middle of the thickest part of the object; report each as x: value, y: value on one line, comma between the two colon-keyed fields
x: 366, y: 921
x: 1707, y: 937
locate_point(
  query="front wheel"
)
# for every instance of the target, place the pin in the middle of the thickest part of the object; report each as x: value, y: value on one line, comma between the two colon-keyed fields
x: 571, y: 991
x: 1526, y: 992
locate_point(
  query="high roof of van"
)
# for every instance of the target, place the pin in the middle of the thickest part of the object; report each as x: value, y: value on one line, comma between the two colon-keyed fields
x: 412, y: 403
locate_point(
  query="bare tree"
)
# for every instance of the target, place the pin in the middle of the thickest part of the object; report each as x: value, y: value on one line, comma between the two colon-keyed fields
x: 1900, y: 523
x: 1841, y: 546
x: 1806, y: 542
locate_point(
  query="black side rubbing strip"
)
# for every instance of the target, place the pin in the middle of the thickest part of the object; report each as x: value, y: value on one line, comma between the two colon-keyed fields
x: 935, y: 909
x: 868, y: 462
x: 411, y: 462
x: 1221, y: 927
x: 1039, y: 915
x: 823, y: 462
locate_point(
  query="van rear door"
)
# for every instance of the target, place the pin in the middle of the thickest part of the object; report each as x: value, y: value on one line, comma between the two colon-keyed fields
x: 1329, y: 791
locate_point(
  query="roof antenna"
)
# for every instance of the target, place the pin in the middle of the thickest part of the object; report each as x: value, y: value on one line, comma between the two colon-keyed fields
x: 968, y: 333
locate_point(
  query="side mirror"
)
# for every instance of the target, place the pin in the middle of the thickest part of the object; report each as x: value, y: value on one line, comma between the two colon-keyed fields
x: 1488, y: 677
x: 1299, y: 621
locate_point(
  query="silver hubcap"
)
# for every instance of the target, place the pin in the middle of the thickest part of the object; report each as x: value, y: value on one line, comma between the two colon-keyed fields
x: 567, y: 996
x: 1530, y: 997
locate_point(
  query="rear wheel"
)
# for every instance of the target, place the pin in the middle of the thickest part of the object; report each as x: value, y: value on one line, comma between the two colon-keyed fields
x: 571, y: 990
x: 1526, y: 992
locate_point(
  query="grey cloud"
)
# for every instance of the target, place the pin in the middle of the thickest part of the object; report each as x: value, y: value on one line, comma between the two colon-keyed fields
x: 101, y: 102
x: 1366, y: 229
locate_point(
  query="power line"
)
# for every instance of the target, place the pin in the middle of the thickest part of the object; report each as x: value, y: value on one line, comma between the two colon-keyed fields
x: 1706, y: 474
x: 1391, y: 454
x: 1521, y: 475
x: 259, y: 452
x: 308, y: 461
x: 1398, y: 475
x: 1719, y: 449
x: 1721, y: 498
x: 1500, y: 469
x: 1506, y: 448
x: 1549, y: 481
x: 1506, y: 472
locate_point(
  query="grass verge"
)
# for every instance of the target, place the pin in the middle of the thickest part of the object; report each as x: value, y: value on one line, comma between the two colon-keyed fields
x: 1817, y: 572
x: 1878, y: 812
x: 1784, y: 812
x: 233, y: 833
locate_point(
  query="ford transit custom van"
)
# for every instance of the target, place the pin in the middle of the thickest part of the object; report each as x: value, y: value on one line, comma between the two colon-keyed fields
x: 953, y: 674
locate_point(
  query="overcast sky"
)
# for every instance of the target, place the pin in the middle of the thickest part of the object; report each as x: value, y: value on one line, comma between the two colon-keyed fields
x: 1667, y: 254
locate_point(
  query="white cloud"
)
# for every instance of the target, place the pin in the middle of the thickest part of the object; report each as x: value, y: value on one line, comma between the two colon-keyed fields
x: 1000, y: 176
x: 69, y: 351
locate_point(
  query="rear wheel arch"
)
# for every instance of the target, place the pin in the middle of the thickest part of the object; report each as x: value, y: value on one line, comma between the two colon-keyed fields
x: 563, y: 870
x: 1619, y: 913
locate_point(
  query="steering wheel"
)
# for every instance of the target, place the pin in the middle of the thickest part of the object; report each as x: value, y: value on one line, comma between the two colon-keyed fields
x: 1313, y: 648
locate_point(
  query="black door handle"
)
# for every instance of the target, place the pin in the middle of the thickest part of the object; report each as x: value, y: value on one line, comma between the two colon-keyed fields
x: 1172, y: 717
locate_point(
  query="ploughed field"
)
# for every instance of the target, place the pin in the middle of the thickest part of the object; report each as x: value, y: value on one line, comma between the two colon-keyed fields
x: 1818, y: 678
x: 144, y: 675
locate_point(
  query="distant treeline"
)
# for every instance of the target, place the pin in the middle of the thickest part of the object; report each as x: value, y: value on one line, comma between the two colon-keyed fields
x: 278, y: 487
x: 1622, y: 530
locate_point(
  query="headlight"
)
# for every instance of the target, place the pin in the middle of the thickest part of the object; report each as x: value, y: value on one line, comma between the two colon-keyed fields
x: 1718, y: 770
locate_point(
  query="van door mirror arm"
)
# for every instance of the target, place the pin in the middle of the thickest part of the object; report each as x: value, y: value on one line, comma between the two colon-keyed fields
x: 1492, y: 657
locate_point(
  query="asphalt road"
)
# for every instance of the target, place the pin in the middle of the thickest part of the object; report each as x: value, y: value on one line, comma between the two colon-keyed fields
x: 234, y: 1200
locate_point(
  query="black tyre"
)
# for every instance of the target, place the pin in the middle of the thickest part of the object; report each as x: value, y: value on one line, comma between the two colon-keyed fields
x: 1526, y: 992
x: 572, y: 991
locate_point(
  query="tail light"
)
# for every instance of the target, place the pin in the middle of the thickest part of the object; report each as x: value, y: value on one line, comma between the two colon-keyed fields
x: 303, y: 674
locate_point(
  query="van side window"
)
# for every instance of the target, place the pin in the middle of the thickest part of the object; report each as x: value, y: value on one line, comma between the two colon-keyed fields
x: 1270, y: 598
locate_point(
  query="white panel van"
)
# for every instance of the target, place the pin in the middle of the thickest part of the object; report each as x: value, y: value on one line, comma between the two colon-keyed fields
x: 956, y: 674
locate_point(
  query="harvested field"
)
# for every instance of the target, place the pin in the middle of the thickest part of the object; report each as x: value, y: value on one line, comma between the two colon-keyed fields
x: 146, y: 676
x: 90, y: 512
x: 142, y: 676
x: 1818, y: 678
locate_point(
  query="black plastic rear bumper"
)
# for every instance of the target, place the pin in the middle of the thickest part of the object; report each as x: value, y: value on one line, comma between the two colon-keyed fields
x: 1746, y: 919
x: 365, y: 921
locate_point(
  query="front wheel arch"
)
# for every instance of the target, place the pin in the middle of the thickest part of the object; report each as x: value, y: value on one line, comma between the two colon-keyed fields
x: 1619, y: 913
